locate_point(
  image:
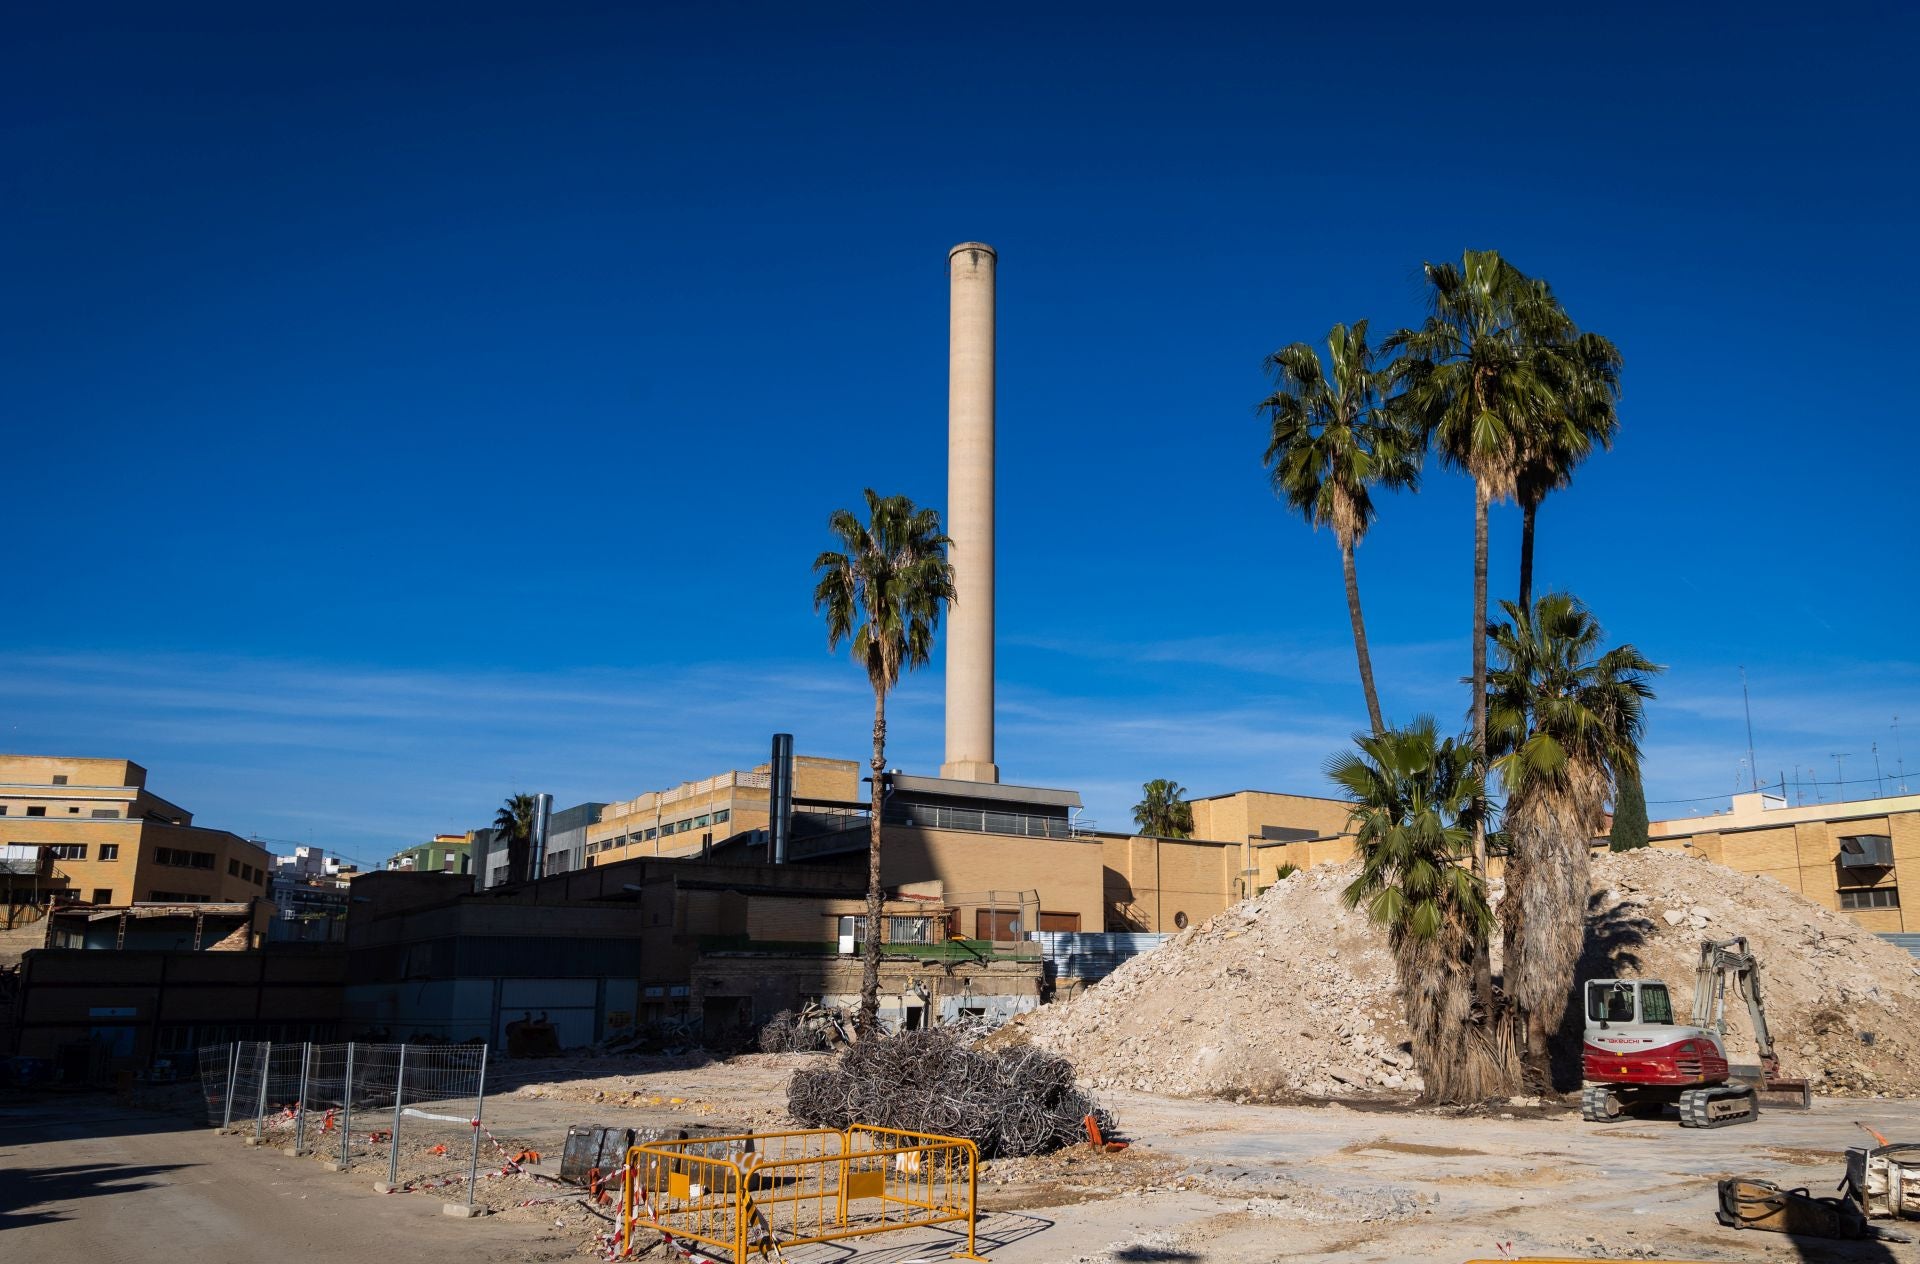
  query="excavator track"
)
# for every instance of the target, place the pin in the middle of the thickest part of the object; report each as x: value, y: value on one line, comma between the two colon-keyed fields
x: 1718, y: 1107
x: 1598, y: 1105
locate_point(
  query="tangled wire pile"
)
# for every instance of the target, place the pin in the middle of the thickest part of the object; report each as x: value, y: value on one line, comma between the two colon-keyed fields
x: 811, y: 1030
x: 1010, y: 1102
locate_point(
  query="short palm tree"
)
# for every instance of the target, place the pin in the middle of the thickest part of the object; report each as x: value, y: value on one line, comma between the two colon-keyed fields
x: 882, y: 592
x: 1565, y: 716
x: 1476, y: 377
x: 1332, y: 441
x: 1586, y: 390
x: 513, y: 825
x: 1163, y: 810
x: 1416, y: 801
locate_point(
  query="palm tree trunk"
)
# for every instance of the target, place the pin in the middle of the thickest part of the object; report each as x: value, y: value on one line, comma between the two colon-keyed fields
x: 867, y: 1023
x: 1360, y: 637
x: 1527, y: 510
x: 1483, y: 959
x: 1480, y: 502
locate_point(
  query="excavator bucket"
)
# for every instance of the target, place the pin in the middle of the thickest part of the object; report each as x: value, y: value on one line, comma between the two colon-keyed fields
x: 1785, y: 1095
x: 1775, y: 1093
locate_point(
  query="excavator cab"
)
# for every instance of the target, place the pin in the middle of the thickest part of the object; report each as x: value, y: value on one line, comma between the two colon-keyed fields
x: 1627, y: 1003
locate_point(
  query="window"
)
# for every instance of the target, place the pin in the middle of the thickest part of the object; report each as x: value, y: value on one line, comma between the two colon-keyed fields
x: 1655, y: 1005
x: 103, y: 895
x: 109, y: 851
x: 723, y: 816
x: 3, y: 809
x: 1873, y: 898
x: 909, y: 930
x: 180, y: 858
x: 106, y: 814
x: 260, y: 877
x: 652, y: 834
x: 246, y: 873
x: 67, y: 851
x: 75, y: 809
x: 1610, y: 1002
x: 699, y: 821
x: 233, y: 868
x: 37, y: 811
x: 60, y: 779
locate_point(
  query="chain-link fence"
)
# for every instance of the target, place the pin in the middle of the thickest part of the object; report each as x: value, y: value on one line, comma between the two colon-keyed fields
x: 410, y: 1113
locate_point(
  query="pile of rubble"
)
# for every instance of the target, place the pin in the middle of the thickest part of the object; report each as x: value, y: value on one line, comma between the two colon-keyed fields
x: 1292, y: 995
x: 1289, y: 994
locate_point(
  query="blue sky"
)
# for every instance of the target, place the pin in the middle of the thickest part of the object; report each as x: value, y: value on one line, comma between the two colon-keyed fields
x: 408, y: 405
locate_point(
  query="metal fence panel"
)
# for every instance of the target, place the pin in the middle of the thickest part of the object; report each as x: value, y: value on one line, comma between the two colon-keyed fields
x: 411, y: 1113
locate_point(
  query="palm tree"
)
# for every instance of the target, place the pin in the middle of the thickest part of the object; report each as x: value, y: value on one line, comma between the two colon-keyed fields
x: 513, y: 825
x: 1587, y: 388
x: 1565, y: 717
x: 1476, y: 377
x: 1332, y: 440
x: 1416, y: 801
x: 882, y: 592
x: 1163, y: 810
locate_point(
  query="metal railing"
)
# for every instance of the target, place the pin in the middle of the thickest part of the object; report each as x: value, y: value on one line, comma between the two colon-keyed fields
x: 767, y: 1192
x: 979, y: 821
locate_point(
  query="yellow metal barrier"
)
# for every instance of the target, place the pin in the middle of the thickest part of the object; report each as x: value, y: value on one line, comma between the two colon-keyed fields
x: 762, y: 1192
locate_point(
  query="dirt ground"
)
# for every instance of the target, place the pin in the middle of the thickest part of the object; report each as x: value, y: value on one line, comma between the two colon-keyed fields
x: 1204, y: 1181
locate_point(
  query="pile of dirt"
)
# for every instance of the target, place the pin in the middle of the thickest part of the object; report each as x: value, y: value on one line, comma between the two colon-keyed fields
x: 1291, y: 994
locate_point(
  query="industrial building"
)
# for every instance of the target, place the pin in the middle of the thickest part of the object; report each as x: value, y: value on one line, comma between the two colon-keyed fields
x: 688, y: 819
x: 115, y: 988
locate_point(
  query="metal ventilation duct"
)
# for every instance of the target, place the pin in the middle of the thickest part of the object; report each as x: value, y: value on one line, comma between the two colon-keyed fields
x: 780, y: 798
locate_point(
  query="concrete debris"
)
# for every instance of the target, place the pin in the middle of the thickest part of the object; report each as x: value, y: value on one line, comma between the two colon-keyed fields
x: 1292, y: 995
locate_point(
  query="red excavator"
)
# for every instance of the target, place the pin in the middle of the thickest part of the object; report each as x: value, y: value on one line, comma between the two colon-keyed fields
x: 1638, y: 1060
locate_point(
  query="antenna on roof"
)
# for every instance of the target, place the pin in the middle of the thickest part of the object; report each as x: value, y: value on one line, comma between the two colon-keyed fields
x: 1900, y: 761
x: 1746, y: 700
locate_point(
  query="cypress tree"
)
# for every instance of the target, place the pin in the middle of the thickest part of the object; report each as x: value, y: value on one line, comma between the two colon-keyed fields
x: 1629, y: 816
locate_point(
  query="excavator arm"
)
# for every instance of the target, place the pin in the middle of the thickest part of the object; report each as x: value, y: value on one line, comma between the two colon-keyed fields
x: 1725, y: 962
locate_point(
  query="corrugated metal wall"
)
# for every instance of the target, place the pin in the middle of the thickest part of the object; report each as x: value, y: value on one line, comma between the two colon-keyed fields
x: 1090, y: 957
x: 1910, y: 940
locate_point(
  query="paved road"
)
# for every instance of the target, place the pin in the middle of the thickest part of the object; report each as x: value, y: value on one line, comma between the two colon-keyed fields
x: 84, y: 1183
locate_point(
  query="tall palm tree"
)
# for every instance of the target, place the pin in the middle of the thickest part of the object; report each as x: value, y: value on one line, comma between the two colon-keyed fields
x: 1587, y: 390
x: 1163, y: 810
x: 1416, y: 801
x: 1565, y: 717
x: 513, y: 824
x: 1476, y: 377
x: 882, y: 592
x: 1333, y: 439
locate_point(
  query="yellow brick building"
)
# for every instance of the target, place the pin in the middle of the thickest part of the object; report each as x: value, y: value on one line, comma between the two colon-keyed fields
x: 1843, y: 856
x: 683, y: 820
x: 99, y: 836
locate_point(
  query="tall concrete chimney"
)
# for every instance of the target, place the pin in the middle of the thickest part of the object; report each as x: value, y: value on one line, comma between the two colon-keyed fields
x: 970, y: 282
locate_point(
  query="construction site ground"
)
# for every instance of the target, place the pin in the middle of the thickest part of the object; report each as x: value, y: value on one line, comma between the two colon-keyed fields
x: 93, y: 1179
